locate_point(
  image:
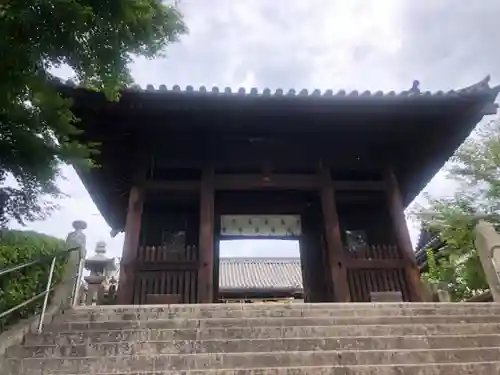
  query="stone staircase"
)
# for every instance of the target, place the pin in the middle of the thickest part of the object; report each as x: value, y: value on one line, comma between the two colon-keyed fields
x: 298, y: 339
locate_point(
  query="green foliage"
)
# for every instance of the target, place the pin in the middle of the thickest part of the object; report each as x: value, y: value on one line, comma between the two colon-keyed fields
x: 434, y: 272
x: 463, y: 276
x: 98, y: 40
x: 19, y: 247
x: 475, y: 168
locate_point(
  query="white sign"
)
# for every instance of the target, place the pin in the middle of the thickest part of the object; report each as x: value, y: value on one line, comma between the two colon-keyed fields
x: 261, y: 225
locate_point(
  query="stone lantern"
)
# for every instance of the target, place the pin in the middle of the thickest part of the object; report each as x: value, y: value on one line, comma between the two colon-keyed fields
x: 102, y: 270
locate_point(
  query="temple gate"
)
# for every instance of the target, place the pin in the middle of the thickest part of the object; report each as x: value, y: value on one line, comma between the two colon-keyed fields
x: 180, y: 170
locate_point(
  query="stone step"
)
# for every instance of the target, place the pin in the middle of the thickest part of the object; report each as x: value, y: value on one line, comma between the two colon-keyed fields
x: 254, y: 345
x: 412, y: 369
x: 84, y: 337
x: 180, y: 362
x: 165, y: 313
x: 190, y: 308
x: 179, y: 323
x: 184, y: 308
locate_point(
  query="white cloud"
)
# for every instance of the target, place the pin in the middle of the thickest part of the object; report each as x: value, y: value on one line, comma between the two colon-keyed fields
x: 337, y: 44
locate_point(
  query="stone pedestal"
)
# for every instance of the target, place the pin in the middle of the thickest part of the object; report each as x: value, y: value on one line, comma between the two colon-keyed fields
x: 386, y: 297
x: 95, y: 289
x: 436, y: 292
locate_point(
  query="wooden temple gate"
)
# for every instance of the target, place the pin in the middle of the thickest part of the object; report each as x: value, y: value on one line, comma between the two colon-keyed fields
x: 176, y: 254
x: 168, y: 157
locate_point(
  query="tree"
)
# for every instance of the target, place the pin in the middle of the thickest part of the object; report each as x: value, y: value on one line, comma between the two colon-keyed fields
x: 475, y: 169
x: 98, y: 40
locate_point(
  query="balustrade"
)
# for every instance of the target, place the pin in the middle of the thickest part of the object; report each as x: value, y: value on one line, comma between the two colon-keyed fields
x: 374, y: 269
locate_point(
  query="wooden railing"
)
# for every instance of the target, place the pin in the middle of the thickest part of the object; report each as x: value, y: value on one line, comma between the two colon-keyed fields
x: 373, y: 252
x: 375, y: 268
x: 166, y: 274
x: 162, y: 271
x: 178, y: 286
x: 149, y: 254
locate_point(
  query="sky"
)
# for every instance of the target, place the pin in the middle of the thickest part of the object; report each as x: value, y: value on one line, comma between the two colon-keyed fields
x: 325, y: 44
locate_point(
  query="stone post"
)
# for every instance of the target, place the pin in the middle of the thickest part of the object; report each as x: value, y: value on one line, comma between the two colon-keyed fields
x: 443, y: 295
x: 71, y: 278
x: 488, y: 249
x: 82, y: 296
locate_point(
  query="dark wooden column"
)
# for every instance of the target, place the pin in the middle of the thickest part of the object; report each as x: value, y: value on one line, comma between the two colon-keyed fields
x: 333, y: 237
x: 304, y: 265
x: 128, y: 267
x: 206, y: 237
x: 403, y: 240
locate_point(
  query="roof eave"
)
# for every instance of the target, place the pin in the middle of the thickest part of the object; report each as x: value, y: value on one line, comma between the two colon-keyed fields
x: 481, y: 87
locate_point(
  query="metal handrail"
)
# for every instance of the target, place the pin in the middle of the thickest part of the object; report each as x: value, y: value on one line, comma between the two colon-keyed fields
x: 48, y: 288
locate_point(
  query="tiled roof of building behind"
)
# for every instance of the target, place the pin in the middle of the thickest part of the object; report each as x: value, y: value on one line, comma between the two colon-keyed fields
x: 428, y: 239
x: 260, y: 273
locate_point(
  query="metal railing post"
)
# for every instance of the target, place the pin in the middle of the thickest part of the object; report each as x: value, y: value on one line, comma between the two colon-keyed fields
x: 47, y: 293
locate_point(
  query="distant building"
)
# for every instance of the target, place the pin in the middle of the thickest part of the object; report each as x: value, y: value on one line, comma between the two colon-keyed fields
x: 260, y: 279
x: 428, y: 239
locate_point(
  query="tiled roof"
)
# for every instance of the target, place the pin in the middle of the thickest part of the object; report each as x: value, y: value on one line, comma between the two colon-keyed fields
x: 428, y: 239
x: 260, y: 273
x: 414, y: 91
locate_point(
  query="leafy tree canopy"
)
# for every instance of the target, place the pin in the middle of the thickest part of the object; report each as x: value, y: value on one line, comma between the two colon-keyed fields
x: 98, y: 40
x: 475, y: 169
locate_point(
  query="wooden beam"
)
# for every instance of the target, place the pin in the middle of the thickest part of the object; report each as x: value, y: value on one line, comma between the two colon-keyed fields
x: 375, y: 263
x: 169, y: 266
x: 128, y: 267
x: 359, y: 185
x: 333, y: 237
x: 270, y: 237
x: 265, y: 181
x: 246, y: 208
x: 164, y: 186
x: 248, y: 182
x: 403, y: 240
x: 206, y: 237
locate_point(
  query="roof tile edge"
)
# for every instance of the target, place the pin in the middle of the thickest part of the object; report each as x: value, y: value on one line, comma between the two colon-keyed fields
x: 414, y: 91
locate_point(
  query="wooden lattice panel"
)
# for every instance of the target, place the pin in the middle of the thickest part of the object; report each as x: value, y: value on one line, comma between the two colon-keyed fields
x: 362, y: 282
x: 179, y: 283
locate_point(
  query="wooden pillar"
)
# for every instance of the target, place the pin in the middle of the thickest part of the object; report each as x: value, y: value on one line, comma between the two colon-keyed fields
x: 304, y: 249
x: 403, y: 240
x: 333, y: 238
x: 206, y: 237
x: 216, y: 257
x: 128, y: 269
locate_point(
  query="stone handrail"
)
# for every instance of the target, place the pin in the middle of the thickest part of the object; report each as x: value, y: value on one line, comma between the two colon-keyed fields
x: 488, y: 249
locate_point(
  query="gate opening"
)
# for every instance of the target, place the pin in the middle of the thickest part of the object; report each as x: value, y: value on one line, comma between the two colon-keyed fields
x: 260, y: 271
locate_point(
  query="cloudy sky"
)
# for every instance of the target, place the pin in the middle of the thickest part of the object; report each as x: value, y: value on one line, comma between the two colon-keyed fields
x: 325, y: 44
